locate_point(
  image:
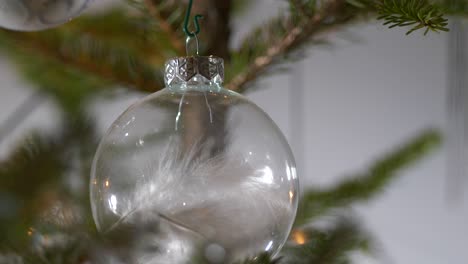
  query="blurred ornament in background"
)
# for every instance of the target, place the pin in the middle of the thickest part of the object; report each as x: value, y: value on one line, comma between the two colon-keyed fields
x: 195, y: 168
x: 31, y: 15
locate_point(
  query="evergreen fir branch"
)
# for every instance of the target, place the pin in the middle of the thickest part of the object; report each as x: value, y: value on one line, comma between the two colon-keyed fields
x: 282, y: 36
x: 121, y: 28
x: 253, y: 48
x: 362, y: 187
x: 302, y: 9
x: 416, y: 13
x: 164, y: 19
x: 68, y: 87
x: 31, y: 181
x: 155, y: 11
x: 240, y: 5
x: 453, y: 7
x: 330, y: 246
x: 89, y: 55
x: 33, y: 162
x: 36, y: 163
x: 61, y: 248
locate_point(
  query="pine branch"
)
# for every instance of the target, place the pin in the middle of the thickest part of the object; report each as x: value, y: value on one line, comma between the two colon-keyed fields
x: 90, y: 55
x: 454, y: 7
x: 330, y: 246
x: 154, y: 10
x: 32, y: 184
x: 164, y: 20
x: 35, y: 164
x: 69, y: 87
x: 362, y: 187
x: 59, y: 248
x: 284, y: 35
x: 239, y: 6
x: 121, y: 28
x: 35, y: 154
x: 416, y: 13
x: 302, y: 9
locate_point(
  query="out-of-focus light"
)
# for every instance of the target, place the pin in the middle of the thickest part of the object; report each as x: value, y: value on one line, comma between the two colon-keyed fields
x: 299, y: 237
x: 266, y: 175
x: 113, y: 203
x: 268, y: 247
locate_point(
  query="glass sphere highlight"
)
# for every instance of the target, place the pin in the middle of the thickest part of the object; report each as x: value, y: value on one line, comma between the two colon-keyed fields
x: 31, y: 15
x: 197, y: 166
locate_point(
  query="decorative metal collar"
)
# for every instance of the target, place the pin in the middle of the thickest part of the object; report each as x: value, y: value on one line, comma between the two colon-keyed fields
x: 194, y: 70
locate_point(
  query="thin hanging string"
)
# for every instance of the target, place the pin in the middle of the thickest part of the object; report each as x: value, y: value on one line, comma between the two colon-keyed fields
x: 191, y: 35
x: 179, y: 113
x: 209, y: 107
x: 187, y: 45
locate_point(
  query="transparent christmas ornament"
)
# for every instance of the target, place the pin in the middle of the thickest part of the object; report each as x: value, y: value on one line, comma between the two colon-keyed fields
x: 30, y: 15
x: 195, y: 169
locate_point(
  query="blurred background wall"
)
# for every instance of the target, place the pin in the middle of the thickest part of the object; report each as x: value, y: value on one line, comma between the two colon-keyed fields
x: 348, y: 103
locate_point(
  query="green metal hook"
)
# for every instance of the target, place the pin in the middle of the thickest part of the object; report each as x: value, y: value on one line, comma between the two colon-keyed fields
x: 195, y: 21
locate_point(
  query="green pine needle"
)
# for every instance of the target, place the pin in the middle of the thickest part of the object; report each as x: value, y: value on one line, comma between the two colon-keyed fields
x: 416, y: 13
x: 332, y: 245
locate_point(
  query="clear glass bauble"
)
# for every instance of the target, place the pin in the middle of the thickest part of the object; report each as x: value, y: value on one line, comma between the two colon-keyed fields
x: 195, y: 169
x: 31, y: 15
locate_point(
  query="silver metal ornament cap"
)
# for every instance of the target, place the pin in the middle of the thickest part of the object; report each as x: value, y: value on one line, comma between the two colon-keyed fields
x: 194, y: 70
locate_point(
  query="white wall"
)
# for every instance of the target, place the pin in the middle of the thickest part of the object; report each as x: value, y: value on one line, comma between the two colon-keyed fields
x: 361, y: 99
x: 374, y: 95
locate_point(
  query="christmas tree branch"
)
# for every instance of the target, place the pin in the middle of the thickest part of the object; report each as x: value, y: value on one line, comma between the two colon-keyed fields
x: 33, y: 165
x: 121, y: 28
x: 68, y: 86
x: 32, y: 182
x: 295, y: 35
x: 165, y: 26
x: 285, y: 34
x: 330, y: 246
x: 416, y: 13
x: 90, y: 55
x: 454, y: 7
x: 362, y: 187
